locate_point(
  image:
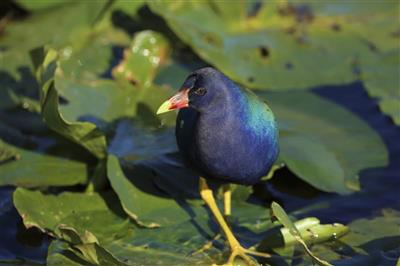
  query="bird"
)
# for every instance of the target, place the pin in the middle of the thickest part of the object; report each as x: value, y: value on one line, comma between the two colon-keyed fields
x: 225, y: 133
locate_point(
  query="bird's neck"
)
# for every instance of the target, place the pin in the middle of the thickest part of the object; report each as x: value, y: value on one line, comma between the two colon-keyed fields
x: 225, y: 112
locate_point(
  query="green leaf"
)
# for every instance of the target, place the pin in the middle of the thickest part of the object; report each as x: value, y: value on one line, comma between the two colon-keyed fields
x: 150, y: 49
x: 311, y: 231
x: 78, y: 79
x: 83, y: 133
x: 377, y: 234
x: 282, y: 45
x: 33, y: 169
x: 39, y: 5
x: 323, y: 143
x: 311, y: 160
x: 89, y: 246
x: 78, y: 210
x: 43, y: 27
x: 143, y: 207
x: 35, y: 30
x: 100, y: 214
x: 380, y: 76
x: 280, y: 213
x: 7, y: 153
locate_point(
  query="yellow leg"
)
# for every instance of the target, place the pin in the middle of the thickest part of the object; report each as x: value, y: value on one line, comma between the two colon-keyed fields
x: 227, y: 199
x: 236, y: 249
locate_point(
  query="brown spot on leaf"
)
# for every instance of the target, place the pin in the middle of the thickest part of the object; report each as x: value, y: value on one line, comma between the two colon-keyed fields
x: 395, y: 34
x: 290, y: 30
x: 286, y: 10
x: 336, y: 27
x: 372, y: 47
x: 250, y: 79
x: 302, y: 13
x: 302, y: 38
x: 208, y: 38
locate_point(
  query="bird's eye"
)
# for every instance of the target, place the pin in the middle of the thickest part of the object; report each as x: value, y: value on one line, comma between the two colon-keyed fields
x: 200, y: 91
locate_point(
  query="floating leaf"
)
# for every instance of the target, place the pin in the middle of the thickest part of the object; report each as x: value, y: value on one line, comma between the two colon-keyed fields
x: 381, y: 79
x: 83, y: 133
x: 38, y: 5
x: 313, y: 128
x: 280, y: 45
x: 143, y: 207
x: 89, y: 246
x: 72, y: 209
x: 42, y: 27
x: 91, y: 212
x: 141, y: 60
x: 7, y: 153
x: 147, y: 143
x: 313, y: 162
x: 84, y: 75
x: 34, y: 169
x: 376, y: 234
x: 285, y: 220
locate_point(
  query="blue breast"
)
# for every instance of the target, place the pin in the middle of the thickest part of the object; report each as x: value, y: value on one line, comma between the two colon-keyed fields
x: 236, y: 141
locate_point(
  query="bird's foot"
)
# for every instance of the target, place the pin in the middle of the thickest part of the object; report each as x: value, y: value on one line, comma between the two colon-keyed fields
x: 241, y: 252
x: 207, y: 245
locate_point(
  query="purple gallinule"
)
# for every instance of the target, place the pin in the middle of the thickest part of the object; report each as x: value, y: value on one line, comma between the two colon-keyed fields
x: 225, y: 133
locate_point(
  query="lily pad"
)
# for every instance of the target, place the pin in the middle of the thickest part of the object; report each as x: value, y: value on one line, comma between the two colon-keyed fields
x: 141, y: 60
x: 83, y: 75
x: 71, y: 209
x: 7, y: 153
x: 381, y: 79
x: 27, y: 168
x: 370, y: 241
x: 115, y: 234
x: 143, y: 207
x: 317, y: 161
x: 279, y: 45
x: 38, y: 5
x: 83, y: 133
x: 312, y: 128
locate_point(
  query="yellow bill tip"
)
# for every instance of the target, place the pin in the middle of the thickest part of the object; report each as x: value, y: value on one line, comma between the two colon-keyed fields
x: 165, y: 107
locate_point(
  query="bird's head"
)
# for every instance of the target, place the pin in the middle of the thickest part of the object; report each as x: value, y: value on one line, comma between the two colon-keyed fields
x: 201, y: 89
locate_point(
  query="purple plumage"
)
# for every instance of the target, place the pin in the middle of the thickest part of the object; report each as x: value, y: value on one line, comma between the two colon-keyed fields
x: 227, y: 133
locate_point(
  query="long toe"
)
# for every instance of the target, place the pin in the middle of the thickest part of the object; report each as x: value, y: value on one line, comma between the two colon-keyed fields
x: 239, y: 256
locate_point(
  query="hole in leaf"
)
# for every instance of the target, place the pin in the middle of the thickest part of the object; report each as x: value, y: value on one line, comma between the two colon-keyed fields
x: 289, y: 66
x: 133, y: 82
x: 264, y: 51
x: 254, y: 9
x: 304, y: 13
x: 355, y: 66
x: 62, y: 100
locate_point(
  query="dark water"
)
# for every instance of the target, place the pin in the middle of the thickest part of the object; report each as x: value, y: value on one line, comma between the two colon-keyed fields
x: 380, y: 187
